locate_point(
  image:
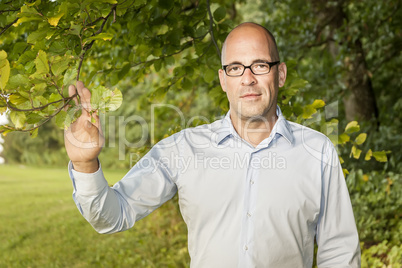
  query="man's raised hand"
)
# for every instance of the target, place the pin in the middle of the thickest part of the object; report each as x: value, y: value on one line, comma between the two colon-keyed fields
x: 84, y: 139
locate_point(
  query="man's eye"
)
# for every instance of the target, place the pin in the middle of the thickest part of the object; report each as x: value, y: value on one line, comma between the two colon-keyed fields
x: 234, y: 68
x: 261, y: 66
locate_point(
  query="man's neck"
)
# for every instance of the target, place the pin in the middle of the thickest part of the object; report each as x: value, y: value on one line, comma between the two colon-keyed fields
x: 254, y: 131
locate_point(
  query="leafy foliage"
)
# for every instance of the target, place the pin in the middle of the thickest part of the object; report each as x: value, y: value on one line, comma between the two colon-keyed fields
x: 167, y: 52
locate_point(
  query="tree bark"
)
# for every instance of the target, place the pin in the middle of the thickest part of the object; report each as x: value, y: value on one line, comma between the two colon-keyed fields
x: 360, y: 102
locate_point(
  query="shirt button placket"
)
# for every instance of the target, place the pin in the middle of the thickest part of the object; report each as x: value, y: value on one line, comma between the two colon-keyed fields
x: 248, y: 208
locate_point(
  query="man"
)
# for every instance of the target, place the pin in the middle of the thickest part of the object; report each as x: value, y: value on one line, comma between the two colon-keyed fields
x: 254, y: 189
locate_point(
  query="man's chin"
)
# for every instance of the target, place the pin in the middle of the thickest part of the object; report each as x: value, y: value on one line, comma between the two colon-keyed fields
x: 254, y: 117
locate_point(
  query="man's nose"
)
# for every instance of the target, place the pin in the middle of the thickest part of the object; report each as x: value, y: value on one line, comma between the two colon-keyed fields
x: 248, y: 78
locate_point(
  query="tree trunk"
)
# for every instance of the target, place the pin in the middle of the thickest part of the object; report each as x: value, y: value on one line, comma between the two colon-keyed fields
x: 360, y: 103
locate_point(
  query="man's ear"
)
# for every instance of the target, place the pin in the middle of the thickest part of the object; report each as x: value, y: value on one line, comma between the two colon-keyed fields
x: 222, y: 79
x: 282, y: 74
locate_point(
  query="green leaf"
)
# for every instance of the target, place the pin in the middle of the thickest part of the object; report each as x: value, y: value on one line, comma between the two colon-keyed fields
x: 3, y: 55
x: 115, y: 100
x: 54, y: 97
x: 60, y: 119
x: 352, y: 127
x: 101, y: 36
x: 157, y: 65
x: 39, y: 88
x: 174, y: 38
x: 219, y: 13
x: 318, y: 104
x: 18, y: 80
x: 75, y: 29
x: 343, y: 138
x: 361, y: 138
x: 41, y: 63
x: 186, y: 83
x: 158, y: 95
x: 380, y: 156
x: 138, y: 3
x: 368, y: 156
x: 37, y: 35
x: 98, y: 95
x: 105, y: 1
x: 26, y: 19
x: 42, y: 100
x: 209, y: 75
x: 34, y: 133
x: 166, y: 4
x: 55, y: 20
x: 4, y: 73
x: 356, y: 152
x: 122, y: 73
x: 298, y: 83
x: 60, y: 66
x: 27, y: 56
x: 17, y: 99
x: 18, y: 119
x: 308, y: 111
x: 36, y: 3
x: 70, y: 77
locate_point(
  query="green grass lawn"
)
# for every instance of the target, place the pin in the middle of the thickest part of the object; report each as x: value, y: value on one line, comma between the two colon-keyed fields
x: 40, y: 226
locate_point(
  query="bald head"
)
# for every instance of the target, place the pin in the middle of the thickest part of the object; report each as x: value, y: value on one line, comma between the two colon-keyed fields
x: 251, y: 28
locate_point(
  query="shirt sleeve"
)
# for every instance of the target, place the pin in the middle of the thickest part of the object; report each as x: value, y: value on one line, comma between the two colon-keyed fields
x: 149, y: 184
x: 337, y: 237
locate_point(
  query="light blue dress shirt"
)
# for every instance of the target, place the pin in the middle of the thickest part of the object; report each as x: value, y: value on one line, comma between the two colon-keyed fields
x: 243, y: 206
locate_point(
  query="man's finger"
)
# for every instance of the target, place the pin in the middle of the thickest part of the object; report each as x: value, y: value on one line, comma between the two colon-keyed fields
x: 71, y: 91
x: 85, y: 97
x: 84, y: 93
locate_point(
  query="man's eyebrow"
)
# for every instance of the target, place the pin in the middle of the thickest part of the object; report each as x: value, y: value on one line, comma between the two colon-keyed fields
x: 254, y: 61
x: 260, y: 61
x: 234, y: 62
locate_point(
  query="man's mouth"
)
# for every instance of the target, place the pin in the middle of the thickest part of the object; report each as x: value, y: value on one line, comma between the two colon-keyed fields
x: 250, y: 96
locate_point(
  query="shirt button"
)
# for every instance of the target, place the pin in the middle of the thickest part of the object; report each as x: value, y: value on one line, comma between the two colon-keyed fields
x: 245, y: 248
x: 248, y: 214
x: 251, y: 182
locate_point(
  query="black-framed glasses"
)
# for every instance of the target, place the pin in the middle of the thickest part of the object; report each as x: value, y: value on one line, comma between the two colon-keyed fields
x: 258, y: 68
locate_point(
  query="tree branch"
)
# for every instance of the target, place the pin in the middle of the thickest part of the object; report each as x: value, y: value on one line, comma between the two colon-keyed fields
x: 8, y: 26
x: 89, y: 17
x: 88, y: 46
x: 186, y: 45
x: 46, y: 120
x: 39, y: 108
x: 329, y: 39
x: 95, y: 21
x: 211, y: 29
x: 393, y: 54
x: 192, y: 6
x: 9, y: 10
x: 390, y: 16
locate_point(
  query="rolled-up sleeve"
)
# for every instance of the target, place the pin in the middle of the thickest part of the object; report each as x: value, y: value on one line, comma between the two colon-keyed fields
x: 337, y: 237
x: 149, y: 184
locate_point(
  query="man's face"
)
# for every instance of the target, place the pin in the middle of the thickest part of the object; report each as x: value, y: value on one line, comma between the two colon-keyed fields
x: 251, y: 96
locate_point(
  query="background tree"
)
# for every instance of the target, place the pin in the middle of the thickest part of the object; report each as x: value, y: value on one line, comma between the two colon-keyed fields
x: 168, y: 52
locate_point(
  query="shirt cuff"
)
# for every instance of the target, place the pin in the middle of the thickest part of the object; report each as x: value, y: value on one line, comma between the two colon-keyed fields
x: 88, y: 184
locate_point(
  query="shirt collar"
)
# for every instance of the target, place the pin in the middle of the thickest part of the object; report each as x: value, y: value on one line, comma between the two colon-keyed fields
x: 281, y: 127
